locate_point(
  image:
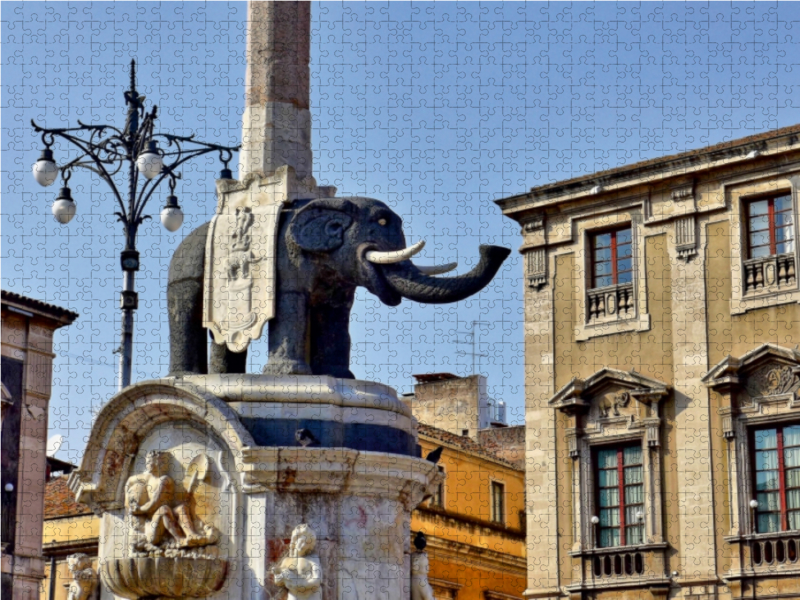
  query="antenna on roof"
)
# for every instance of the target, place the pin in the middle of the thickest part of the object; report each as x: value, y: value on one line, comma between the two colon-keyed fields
x: 472, y: 340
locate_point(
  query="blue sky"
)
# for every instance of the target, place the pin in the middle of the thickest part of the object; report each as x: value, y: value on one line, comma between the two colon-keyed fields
x: 436, y: 109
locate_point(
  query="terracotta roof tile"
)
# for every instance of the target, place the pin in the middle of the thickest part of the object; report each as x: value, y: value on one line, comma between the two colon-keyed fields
x: 43, y: 307
x: 60, y: 502
x: 462, y: 442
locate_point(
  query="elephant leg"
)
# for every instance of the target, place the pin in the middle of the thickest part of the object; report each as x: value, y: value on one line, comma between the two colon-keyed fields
x: 187, y: 339
x: 225, y: 361
x: 288, y: 352
x: 330, y: 341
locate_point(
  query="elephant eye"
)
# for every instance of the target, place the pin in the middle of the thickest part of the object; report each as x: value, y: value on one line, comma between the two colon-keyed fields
x: 382, y: 222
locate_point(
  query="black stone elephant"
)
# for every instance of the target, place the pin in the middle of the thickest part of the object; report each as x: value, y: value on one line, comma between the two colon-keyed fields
x: 325, y: 249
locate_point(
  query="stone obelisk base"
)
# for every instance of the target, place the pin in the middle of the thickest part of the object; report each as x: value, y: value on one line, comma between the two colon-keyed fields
x: 250, y: 458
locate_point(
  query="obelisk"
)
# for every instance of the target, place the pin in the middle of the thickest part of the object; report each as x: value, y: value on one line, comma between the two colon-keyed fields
x: 276, y: 125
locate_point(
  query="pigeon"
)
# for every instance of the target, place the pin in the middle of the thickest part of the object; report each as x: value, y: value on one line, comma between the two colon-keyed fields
x: 435, y: 455
x: 304, y: 437
x: 420, y: 542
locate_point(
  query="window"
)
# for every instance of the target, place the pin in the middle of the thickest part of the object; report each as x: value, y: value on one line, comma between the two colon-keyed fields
x: 612, y: 261
x: 777, y: 478
x: 498, y: 502
x: 770, y: 226
x: 620, y: 496
x: 438, y: 494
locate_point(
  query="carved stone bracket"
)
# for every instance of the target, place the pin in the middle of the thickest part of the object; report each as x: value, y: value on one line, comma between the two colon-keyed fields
x: 684, y: 191
x: 536, y: 267
x: 686, y: 237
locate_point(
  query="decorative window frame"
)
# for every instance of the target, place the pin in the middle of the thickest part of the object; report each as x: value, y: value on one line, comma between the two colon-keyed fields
x: 772, y: 294
x: 614, y: 407
x: 638, y: 319
x: 759, y: 389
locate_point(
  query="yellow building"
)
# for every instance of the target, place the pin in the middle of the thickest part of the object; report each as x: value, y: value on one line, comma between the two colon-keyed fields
x: 661, y: 336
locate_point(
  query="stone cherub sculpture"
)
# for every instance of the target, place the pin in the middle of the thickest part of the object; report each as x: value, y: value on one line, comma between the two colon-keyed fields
x: 300, y: 572
x: 420, y: 587
x: 159, y: 523
x: 84, y: 578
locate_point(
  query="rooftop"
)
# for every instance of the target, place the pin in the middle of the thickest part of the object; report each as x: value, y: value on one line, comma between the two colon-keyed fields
x: 59, y: 501
x: 18, y: 301
x: 463, y: 443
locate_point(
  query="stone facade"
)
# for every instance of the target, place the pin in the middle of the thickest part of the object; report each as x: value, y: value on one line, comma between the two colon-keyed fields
x: 680, y: 361
x: 27, y: 357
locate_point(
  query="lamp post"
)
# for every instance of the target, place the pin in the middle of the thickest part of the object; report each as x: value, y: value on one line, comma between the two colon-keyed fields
x: 128, y: 153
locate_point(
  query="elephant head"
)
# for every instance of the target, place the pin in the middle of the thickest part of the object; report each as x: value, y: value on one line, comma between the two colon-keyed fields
x: 361, y: 240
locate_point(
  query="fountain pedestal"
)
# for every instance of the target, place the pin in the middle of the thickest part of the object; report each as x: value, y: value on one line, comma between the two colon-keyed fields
x: 249, y: 458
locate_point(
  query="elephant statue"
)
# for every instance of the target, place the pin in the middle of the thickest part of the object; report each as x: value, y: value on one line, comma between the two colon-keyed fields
x: 325, y: 249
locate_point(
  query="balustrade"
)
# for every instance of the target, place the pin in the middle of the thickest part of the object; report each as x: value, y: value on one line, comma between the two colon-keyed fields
x: 776, y: 271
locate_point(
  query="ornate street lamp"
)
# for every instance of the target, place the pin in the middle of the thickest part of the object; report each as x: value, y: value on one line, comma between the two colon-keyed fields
x: 129, y: 152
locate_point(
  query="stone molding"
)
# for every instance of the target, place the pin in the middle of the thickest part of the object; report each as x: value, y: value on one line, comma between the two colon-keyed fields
x: 474, y: 556
x: 339, y: 471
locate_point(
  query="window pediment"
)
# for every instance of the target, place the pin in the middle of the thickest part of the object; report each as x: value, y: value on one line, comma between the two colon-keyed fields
x: 766, y: 375
x: 610, y: 395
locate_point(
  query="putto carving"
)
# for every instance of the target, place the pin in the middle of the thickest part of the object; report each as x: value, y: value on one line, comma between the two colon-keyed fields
x: 771, y: 380
x: 161, y: 522
x: 300, y: 572
x: 420, y: 586
x: 612, y: 405
x: 84, y: 578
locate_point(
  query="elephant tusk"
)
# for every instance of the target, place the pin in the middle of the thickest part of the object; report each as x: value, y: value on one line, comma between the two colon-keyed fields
x: 394, y: 256
x: 437, y: 269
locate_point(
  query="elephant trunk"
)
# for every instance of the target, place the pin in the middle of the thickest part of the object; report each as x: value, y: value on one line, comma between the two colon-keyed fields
x: 410, y: 282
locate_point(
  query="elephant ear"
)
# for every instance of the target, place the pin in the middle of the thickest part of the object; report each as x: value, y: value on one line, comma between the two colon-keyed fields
x: 320, y: 227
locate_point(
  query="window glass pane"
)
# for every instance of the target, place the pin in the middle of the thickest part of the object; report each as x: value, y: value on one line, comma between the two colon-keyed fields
x: 632, y: 455
x: 609, y: 517
x: 791, y: 436
x: 766, y: 480
x: 766, y: 460
x: 608, y: 478
x: 623, y: 251
x: 784, y: 247
x: 759, y: 224
x: 792, y: 499
x: 623, y: 236
x: 768, y: 523
x: 602, y: 241
x: 634, y: 535
x: 759, y: 208
x: 624, y: 265
x: 602, y: 281
x: 794, y: 520
x: 760, y: 238
x: 759, y: 252
x: 783, y: 234
x: 609, y: 537
x: 602, y: 255
x: 766, y: 438
x: 783, y: 203
x: 633, y: 475
x: 607, y: 459
x: 792, y: 478
x: 783, y: 219
x: 609, y: 497
x: 630, y: 515
x: 791, y: 457
x: 634, y: 494
x: 625, y: 277
x: 769, y: 501
x: 603, y: 268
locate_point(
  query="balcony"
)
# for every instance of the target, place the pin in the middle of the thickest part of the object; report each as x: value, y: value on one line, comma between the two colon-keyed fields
x: 624, y: 566
x: 769, y: 274
x: 610, y: 303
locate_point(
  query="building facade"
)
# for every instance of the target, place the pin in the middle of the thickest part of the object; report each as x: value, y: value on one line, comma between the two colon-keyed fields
x: 27, y: 363
x: 661, y: 341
